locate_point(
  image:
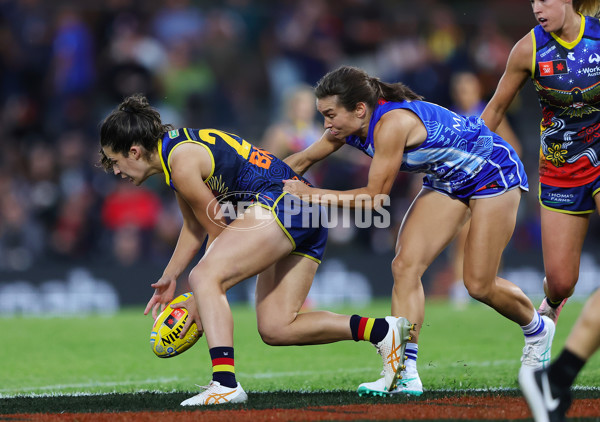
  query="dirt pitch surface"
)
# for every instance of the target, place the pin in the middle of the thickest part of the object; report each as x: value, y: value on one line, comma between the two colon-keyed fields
x: 459, y: 407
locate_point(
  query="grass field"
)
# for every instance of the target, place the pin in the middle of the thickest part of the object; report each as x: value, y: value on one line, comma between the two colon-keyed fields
x: 468, y: 349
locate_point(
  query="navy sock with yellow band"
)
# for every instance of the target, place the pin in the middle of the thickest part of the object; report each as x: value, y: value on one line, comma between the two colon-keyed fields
x: 223, y: 366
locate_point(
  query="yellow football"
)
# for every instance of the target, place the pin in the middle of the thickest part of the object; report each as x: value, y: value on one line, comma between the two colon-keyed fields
x: 164, y: 338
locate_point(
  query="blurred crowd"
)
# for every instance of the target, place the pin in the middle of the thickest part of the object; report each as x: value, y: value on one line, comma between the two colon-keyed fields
x: 237, y: 65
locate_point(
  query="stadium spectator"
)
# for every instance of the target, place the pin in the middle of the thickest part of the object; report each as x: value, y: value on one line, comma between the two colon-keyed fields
x: 179, y: 21
x: 296, y: 129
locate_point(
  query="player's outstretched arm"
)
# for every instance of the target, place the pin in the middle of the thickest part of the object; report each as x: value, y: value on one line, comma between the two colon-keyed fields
x: 390, y: 138
x: 301, y: 161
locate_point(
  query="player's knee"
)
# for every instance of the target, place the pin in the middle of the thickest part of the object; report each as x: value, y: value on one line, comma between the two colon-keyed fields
x: 202, y: 281
x: 479, y: 290
x: 271, y: 334
x: 559, y: 287
x: 406, y: 271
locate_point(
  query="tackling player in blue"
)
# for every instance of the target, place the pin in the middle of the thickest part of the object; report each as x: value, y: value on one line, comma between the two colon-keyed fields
x: 469, y: 171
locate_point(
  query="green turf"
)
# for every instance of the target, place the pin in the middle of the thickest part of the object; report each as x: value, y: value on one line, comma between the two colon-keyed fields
x: 151, y: 401
x: 473, y: 348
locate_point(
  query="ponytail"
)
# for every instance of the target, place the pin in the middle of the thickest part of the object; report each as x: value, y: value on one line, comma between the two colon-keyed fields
x: 587, y: 7
x: 353, y: 85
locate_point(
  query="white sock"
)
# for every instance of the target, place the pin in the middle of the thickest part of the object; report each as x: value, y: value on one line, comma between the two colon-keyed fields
x: 535, y: 328
x: 412, y: 349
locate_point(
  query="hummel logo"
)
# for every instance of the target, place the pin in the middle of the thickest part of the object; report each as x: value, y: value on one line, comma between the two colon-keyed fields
x: 550, y: 402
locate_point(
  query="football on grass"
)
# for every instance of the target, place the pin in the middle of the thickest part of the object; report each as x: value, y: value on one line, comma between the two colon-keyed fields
x: 164, y: 337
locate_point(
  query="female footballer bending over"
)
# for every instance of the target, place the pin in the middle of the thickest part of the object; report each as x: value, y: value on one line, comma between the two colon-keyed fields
x: 469, y: 172
x: 208, y: 166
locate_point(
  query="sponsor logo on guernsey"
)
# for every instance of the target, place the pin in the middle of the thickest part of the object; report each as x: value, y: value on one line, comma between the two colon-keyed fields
x: 550, y: 50
x: 594, y: 58
x: 571, y: 55
x: 553, y: 67
x: 173, y: 133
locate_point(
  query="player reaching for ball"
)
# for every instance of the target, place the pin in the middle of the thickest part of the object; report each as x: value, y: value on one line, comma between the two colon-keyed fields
x: 469, y: 171
x: 270, y: 239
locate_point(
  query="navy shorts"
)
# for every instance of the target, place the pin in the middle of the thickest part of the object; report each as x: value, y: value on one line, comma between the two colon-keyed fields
x: 573, y: 200
x: 301, y: 222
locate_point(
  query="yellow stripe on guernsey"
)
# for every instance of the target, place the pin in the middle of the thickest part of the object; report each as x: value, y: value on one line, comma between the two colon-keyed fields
x: 533, y: 55
x: 567, y: 45
x: 223, y: 368
x: 188, y: 140
x: 570, y: 45
x: 162, y: 162
x: 368, y: 328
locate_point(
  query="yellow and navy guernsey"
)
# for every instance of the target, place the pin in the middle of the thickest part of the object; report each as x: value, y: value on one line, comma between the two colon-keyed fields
x: 566, y: 77
x: 243, y: 172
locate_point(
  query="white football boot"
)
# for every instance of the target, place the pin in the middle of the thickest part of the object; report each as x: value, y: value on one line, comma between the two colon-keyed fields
x: 392, y: 348
x: 215, y: 393
x: 536, y: 354
x: 409, y: 383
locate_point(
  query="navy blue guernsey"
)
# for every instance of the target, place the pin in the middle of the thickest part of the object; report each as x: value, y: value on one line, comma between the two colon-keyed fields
x: 239, y: 169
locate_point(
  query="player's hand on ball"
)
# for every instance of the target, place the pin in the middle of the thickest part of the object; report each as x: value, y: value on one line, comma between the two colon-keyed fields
x: 193, y: 315
x: 165, y: 338
x: 164, y: 289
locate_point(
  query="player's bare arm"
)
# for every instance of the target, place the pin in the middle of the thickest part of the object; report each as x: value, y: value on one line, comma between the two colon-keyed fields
x: 301, y: 161
x: 190, y: 241
x: 518, y: 69
x: 190, y: 164
x: 391, y: 135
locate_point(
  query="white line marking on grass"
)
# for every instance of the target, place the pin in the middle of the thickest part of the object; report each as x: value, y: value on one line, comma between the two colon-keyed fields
x: 19, y: 391
x: 425, y: 367
x: 441, y: 390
